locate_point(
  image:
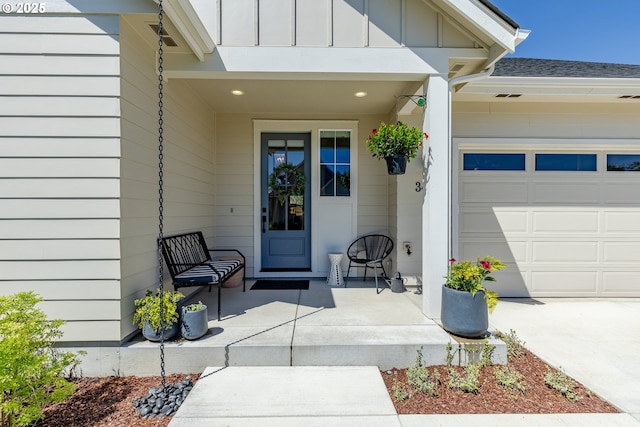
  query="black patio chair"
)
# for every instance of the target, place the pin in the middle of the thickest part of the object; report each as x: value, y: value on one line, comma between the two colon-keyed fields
x: 368, y: 252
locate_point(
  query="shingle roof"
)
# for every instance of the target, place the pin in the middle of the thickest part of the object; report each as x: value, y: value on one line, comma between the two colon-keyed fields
x: 528, y: 67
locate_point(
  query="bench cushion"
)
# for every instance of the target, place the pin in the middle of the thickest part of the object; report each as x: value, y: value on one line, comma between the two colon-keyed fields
x: 205, y: 273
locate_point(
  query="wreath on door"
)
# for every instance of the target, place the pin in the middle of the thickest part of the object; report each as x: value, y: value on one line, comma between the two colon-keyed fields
x: 286, y: 180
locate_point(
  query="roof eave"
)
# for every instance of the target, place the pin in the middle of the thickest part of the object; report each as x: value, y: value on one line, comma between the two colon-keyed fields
x: 187, y: 21
x: 486, y: 21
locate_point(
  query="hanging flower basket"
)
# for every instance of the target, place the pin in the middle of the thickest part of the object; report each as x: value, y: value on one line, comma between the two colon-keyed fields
x: 397, y: 144
x: 286, y: 180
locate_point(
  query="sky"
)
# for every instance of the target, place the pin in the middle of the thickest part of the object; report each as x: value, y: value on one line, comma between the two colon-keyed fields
x: 579, y: 30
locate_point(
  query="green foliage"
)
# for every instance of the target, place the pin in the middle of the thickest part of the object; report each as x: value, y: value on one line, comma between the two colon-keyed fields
x: 511, y: 379
x: 486, y: 354
x: 389, y: 140
x: 469, y: 382
x: 558, y: 380
x: 399, y: 390
x: 195, y: 306
x: 419, y: 378
x: 469, y: 276
x: 449, y: 356
x: 148, y: 309
x: 515, y: 346
x: 31, y: 369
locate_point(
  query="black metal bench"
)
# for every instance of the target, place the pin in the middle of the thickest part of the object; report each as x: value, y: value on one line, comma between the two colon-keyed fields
x: 190, y: 263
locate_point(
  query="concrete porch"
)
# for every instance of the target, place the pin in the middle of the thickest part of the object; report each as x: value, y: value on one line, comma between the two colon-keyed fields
x: 321, y: 326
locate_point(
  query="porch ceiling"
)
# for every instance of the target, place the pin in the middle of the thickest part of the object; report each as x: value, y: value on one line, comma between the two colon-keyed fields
x: 329, y: 97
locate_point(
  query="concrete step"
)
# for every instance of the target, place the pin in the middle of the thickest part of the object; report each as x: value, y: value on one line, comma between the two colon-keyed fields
x: 387, y: 347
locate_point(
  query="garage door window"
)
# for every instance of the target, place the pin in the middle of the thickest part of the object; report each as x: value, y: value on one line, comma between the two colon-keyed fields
x: 566, y: 162
x: 493, y: 161
x: 623, y: 162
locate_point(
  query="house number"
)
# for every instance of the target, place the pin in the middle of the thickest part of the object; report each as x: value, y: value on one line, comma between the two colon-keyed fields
x: 418, y: 186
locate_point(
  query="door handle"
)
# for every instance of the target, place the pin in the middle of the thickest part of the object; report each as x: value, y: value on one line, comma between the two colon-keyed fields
x: 264, y: 221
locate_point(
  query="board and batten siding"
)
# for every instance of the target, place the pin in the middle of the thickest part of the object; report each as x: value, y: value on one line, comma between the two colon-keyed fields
x: 339, y: 23
x: 188, y: 173
x: 59, y: 168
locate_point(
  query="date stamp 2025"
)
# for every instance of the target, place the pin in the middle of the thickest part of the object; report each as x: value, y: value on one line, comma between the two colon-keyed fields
x: 21, y: 8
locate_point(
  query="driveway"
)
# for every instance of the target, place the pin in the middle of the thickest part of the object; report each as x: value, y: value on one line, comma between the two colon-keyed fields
x: 595, y: 341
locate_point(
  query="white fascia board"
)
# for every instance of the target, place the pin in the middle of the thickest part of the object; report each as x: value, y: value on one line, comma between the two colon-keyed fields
x: 111, y: 7
x: 490, y: 24
x: 554, y: 86
x: 330, y: 63
x: 188, y: 23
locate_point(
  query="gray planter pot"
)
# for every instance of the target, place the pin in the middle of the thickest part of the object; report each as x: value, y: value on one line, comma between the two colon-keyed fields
x: 397, y: 164
x: 464, y: 314
x: 152, y: 335
x: 194, y: 324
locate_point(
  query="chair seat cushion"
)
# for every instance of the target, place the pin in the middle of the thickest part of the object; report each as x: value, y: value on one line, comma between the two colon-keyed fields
x: 209, y: 272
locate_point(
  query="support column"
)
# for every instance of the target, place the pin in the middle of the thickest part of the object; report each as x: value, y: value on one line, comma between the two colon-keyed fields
x: 436, y: 215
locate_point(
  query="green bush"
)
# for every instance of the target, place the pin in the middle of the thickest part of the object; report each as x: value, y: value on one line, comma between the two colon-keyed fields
x: 31, y: 369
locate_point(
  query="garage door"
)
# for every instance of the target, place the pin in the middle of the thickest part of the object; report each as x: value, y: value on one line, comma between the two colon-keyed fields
x: 567, y: 224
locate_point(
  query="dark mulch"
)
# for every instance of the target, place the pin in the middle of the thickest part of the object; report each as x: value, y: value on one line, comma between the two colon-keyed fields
x: 102, y: 402
x: 493, y: 398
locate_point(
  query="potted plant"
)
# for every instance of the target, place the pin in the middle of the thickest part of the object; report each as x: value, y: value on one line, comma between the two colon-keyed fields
x: 150, y: 319
x: 195, y: 321
x: 465, y: 301
x: 397, y: 144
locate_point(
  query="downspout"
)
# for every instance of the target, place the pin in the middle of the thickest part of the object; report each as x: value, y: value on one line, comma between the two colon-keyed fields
x: 452, y: 83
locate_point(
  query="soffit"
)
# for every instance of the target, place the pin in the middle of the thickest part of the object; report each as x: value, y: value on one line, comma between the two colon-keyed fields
x: 330, y: 98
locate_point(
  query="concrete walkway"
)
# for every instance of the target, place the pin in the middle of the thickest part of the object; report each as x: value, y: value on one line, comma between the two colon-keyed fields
x: 595, y: 341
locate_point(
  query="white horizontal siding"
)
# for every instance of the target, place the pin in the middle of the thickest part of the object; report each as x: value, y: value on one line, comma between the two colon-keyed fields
x: 61, y: 66
x: 59, y: 167
x: 67, y: 290
x: 59, y: 85
x: 63, y: 106
x: 100, y: 25
x: 60, y: 270
x: 85, y: 188
x: 59, y: 147
x: 77, y: 228
x: 68, y: 249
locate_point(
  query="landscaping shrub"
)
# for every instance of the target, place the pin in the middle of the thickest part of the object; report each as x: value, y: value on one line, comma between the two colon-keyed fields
x: 31, y: 369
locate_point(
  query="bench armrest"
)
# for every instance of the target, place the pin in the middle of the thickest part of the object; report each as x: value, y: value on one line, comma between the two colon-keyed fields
x: 231, y: 250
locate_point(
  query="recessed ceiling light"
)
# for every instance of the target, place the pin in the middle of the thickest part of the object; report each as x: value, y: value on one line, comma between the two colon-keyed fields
x: 237, y: 92
x: 360, y: 94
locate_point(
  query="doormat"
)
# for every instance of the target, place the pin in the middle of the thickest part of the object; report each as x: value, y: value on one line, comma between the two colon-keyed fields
x: 280, y: 284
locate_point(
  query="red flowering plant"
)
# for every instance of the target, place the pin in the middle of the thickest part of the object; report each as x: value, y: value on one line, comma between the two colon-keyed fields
x: 389, y: 140
x: 470, y: 276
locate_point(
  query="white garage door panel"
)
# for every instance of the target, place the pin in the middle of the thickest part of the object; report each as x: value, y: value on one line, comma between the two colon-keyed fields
x: 508, y: 252
x: 564, y: 221
x: 566, y: 234
x: 572, y: 193
x: 621, y: 283
x: 627, y: 193
x: 621, y: 252
x: 488, y: 221
x: 510, y: 282
x: 626, y: 221
x: 563, y: 282
x: 479, y: 192
x: 563, y: 252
